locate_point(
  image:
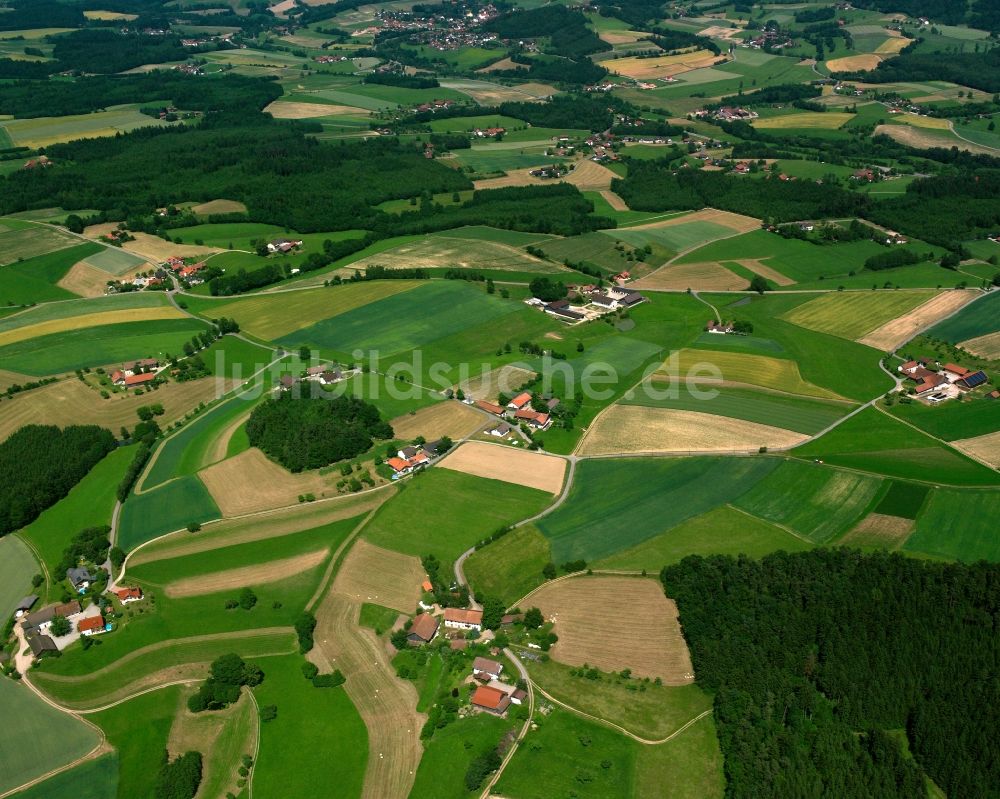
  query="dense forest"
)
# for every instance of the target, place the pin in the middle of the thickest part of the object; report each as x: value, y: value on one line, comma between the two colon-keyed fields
x: 58, y: 98
x: 978, y: 70
x: 814, y: 657
x: 656, y: 186
x: 566, y: 30
x: 41, y: 463
x: 283, y: 176
x: 307, y: 433
x: 573, y: 111
x: 104, y: 51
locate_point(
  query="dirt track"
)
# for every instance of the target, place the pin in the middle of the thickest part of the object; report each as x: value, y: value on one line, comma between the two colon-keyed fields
x: 385, y: 702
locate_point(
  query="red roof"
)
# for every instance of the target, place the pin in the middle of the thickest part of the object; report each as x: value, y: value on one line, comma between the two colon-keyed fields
x: 129, y: 593
x: 426, y: 585
x: 489, y: 407
x: 425, y: 627
x: 135, y: 380
x: 521, y: 400
x: 90, y: 624
x: 490, y: 698
x: 463, y: 616
x: 398, y: 464
x: 117, y: 375
x: 955, y: 369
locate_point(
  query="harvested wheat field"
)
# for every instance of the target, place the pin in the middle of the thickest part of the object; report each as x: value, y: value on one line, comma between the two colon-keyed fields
x: 987, y: 346
x: 450, y: 418
x: 258, y: 574
x: 919, y: 121
x: 898, y: 331
x: 590, y: 176
x: 592, y: 628
x: 984, y: 448
x: 633, y: 428
x: 707, y: 276
x: 663, y: 66
x: 721, y: 32
x: 878, y: 529
x: 9, y: 378
x: 853, y: 63
x: 69, y: 401
x: 372, y: 574
x: 735, y: 222
x: 514, y: 177
x: 612, y: 199
x: 219, y: 207
x: 272, y: 524
x: 499, y: 462
x: 156, y: 249
x: 89, y: 281
x: 621, y: 37
x: 457, y: 253
x: 71, y: 323
x: 385, y: 702
x: 760, y: 268
x: 893, y: 45
x: 249, y: 482
x: 284, y: 109
x: 502, y: 380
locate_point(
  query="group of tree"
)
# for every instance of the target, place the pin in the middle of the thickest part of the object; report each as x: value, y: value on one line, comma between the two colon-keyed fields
x: 90, y: 545
x: 813, y: 656
x: 227, y: 675
x: 980, y: 70
x: 546, y: 289
x: 565, y: 31
x: 402, y: 80
x: 595, y: 112
x: 178, y: 778
x: 41, y: 463
x: 32, y: 98
x: 308, y: 433
x: 135, y: 467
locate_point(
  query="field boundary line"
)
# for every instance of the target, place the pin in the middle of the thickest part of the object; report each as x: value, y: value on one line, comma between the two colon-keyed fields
x: 947, y: 444
x: 779, y: 525
x: 337, y: 560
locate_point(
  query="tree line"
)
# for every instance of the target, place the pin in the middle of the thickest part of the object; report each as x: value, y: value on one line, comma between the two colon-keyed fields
x: 813, y: 657
x: 41, y: 463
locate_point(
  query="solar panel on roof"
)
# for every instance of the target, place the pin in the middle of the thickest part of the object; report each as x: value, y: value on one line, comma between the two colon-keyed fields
x: 975, y: 379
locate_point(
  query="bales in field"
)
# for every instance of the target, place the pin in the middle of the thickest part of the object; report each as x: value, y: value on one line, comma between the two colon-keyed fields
x: 633, y: 429
x: 896, y: 332
x: 616, y: 623
x: 500, y: 462
x: 453, y: 419
x: 853, y: 314
x: 380, y: 576
x: 233, y: 579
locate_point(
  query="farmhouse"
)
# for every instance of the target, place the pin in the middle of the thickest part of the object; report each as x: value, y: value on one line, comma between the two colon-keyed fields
x: 42, y: 645
x: 402, y: 466
x: 490, y: 700
x: 127, y: 595
x: 540, y: 421
x: 461, y: 619
x: 92, y: 625
x: 143, y: 364
x: 39, y: 621
x: 25, y: 605
x: 423, y: 630
x: 80, y: 578
x: 499, y: 431
x: 486, y: 669
x: 286, y: 382
x: 283, y: 245
x: 719, y: 327
x: 562, y: 309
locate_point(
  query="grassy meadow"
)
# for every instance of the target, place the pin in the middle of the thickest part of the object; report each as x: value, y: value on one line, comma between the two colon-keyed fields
x: 17, y: 567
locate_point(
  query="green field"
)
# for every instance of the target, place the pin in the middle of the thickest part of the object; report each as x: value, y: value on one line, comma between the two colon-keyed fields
x: 92, y: 779
x: 444, y: 513
x: 164, y: 509
x: 487, y: 160
x: 84, y: 307
x: 114, y: 260
x: 903, y: 499
x: 514, y: 238
x: 17, y: 567
x: 616, y: 504
x: 721, y: 531
x: 816, y: 502
x: 23, y: 239
x: 952, y: 420
x: 567, y: 750
x: 691, y: 764
x: 235, y: 358
x: 596, y: 249
x: 872, y: 441
x: 317, y: 739
x: 36, y: 737
x: 676, y: 238
x: 779, y: 410
x: 509, y: 567
x: 95, y: 346
x: 34, y: 279
x: 977, y: 319
x: 852, y: 315
x: 44, y: 131
x: 88, y: 504
x: 938, y: 532
x: 139, y: 729
x: 447, y: 755
x: 405, y: 321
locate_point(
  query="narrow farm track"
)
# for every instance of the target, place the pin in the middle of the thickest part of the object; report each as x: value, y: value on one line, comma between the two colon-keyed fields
x: 386, y: 703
